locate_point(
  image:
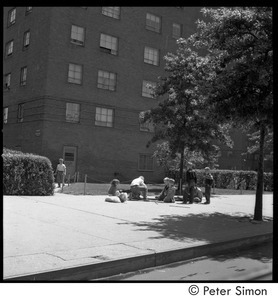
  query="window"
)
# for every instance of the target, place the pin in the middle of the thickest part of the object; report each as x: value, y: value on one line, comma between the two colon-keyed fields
x: 106, y: 80
x: 146, y: 89
x: 23, y: 76
x: 5, y: 115
x: 11, y: 17
x: 153, y: 22
x: 146, y: 126
x: 151, y: 56
x: 145, y: 162
x: 75, y: 74
x: 20, y: 113
x: 77, y: 35
x: 28, y: 10
x: 176, y: 32
x: 7, y: 83
x: 111, y: 11
x: 104, y: 117
x: 26, y: 39
x: 109, y: 44
x: 73, y: 112
x: 9, y: 48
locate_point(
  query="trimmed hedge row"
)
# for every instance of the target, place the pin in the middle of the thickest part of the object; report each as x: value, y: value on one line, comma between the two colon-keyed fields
x: 27, y: 174
x: 230, y: 179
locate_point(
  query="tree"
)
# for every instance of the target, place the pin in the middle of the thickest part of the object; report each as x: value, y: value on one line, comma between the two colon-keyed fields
x: 181, y: 117
x: 239, y: 82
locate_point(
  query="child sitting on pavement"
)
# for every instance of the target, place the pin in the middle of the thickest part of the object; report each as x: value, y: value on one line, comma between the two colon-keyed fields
x: 163, y: 193
x: 169, y: 198
x: 113, y: 191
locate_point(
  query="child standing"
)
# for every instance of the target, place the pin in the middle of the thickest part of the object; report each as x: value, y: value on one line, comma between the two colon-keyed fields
x: 208, y: 184
x: 61, y: 172
x: 169, y: 198
x: 163, y: 193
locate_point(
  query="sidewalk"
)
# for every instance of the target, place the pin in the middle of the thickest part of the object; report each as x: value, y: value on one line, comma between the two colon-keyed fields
x: 67, y: 237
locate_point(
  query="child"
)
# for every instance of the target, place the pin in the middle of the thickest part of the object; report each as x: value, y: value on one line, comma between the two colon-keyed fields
x: 191, y: 181
x: 60, y: 172
x: 163, y: 193
x: 208, y: 184
x: 113, y: 191
x: 170, y: 192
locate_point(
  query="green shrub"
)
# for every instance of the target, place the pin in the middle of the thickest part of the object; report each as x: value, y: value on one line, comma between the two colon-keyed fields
x: 26, y: 174
x: 230, y: 179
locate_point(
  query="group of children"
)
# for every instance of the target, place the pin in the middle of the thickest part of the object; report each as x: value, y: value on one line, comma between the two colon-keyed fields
x: 191, y: 192
x: 137, y: 188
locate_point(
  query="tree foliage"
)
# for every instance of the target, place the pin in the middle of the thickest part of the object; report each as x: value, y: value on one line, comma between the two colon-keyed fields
x: 239, y: 84
x: 231, y: 84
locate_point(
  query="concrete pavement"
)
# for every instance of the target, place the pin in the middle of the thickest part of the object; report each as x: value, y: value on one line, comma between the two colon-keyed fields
x: 68, y: 237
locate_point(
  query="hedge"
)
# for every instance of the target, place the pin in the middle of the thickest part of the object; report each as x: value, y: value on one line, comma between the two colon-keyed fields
x: 27, y: 174
x: 230, y: 179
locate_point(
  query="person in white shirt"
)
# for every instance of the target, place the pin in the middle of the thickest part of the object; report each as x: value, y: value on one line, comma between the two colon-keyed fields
x: 138, y: 187
x: 60, y: 172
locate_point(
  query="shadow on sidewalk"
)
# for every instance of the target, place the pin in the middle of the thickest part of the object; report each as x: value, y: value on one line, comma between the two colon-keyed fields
x: 198, y: 227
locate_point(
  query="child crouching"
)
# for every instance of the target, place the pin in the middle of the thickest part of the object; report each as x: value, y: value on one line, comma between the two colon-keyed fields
x: 170, y: 193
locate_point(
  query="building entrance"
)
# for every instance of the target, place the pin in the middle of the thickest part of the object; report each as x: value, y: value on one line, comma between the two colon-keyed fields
x: 70, y: 155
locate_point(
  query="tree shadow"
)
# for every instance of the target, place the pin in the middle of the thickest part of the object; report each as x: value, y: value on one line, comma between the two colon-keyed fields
x: 203, y: 227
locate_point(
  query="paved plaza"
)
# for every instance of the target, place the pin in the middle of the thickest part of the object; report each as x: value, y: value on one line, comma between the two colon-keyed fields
x: 68, y: 237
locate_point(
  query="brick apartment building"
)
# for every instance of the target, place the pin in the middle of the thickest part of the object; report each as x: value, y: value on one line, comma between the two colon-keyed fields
x: 76, y: 80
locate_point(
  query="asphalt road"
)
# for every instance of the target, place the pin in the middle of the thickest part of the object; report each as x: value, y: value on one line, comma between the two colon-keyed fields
x: 247, y: 264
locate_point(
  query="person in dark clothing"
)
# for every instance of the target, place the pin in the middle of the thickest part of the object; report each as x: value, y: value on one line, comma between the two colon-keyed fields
x: 208, y: 184
x: 191, y: 181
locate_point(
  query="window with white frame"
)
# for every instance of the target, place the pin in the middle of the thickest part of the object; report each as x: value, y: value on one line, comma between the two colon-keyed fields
x: 111, y: 11
x: 9, y: 48
x: 77, y: 35
x: 176, y: 30
x: 75, y: 73
x: 146, y: 126
x: 109, y: 44
x: 153, y: 22
x: 28, y: 9
x: 104, y: 117
x: 11, y: 16
x: 20, y: 112
x: 7, y: 81
x: 26, y: 39
x: 5, y: 115
x: 106, y: 80
x: 23, y: 76
x: 147, y: 89
x: 145, y: 162
x: 73, y: 112
x: 151, y: 56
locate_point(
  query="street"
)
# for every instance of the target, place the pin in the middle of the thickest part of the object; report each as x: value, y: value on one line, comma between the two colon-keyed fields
x: 247, y: 264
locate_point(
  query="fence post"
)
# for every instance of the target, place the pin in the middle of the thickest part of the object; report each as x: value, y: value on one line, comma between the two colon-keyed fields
x: 241, y: 188
x: 180, y: 186
x: 74, y: 178
x: 85, y: 181
x: 63, y: 180
x: 77, y: 177
x: 69, y: 180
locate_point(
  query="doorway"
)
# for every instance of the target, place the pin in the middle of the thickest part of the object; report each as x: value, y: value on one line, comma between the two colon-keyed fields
x: 70, y: 157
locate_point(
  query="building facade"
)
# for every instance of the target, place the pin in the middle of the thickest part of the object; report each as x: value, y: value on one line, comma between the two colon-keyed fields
x: 77, y: 78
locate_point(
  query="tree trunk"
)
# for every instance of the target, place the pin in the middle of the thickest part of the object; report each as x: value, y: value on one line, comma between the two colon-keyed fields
x: 258, y: 214
x: 181, y: 169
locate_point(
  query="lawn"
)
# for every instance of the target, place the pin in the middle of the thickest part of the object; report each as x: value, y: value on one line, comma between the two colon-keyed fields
x: 153, y: 189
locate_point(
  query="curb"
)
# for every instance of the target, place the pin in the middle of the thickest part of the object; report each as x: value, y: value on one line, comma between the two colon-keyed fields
x: 114, y: 267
